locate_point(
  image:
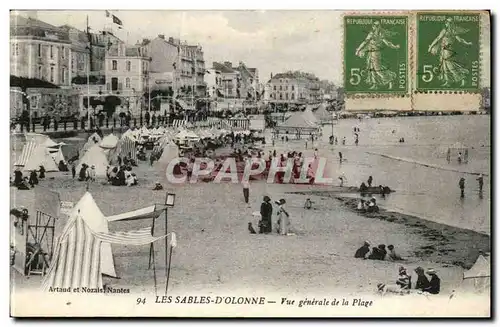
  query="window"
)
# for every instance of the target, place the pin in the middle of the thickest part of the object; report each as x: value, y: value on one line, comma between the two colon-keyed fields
x: 114, y: 84
x: 281, y: 81
x: 52, y: 74
x: 63, y: 76
x: 114, y: 65
x: 127, y: 82
x: 62, y: 52
x: 275, y: 87
x: 40, y: 75
x: 286, y: 96
x: 286, y: 88
x: 293, y: 96
x: 39, y: 50
x: 128, y: 65
x: 281, y: 88
x: 51, y: 52
x: 293, y: 88
x: 281, y: 96
x: 15, y: 50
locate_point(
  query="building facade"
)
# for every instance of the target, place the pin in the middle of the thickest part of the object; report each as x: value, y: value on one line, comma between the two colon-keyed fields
x: 213, y: 79
x: 39, y: 50
x: 249, y: 82
x: 185, y: 61
x: 287, y: 89
x: 127, y: 75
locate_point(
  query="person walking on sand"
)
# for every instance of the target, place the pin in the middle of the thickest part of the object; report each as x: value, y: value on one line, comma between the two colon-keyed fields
x: 461, y: 184
x: 246, y: 190
x: 266, y: 212
x: 370, y: 181
x: 73, y: 169
x: 343, y: 140
x: 434, y: 284
x: 340, y: 157
x: 92, y: 173
x: 480, y: 180
x: 342, y: 179
x: 283, y: 218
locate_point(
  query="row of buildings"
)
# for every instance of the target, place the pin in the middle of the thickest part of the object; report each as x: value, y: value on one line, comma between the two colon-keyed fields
x: 107, y: 67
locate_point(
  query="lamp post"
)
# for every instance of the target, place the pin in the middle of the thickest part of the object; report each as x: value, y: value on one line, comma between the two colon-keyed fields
x: 169, y: 203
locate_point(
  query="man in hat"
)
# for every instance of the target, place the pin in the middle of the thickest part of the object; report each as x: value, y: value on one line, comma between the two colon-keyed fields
x: 434, y: 284
x: 266, y: 212
x: 422, y: 281
x: 362, y: 251
x: 404, y: 281
x: 246, y: 189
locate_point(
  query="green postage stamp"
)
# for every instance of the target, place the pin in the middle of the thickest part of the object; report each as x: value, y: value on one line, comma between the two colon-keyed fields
x: 448, y: 51
x: 376, y: 54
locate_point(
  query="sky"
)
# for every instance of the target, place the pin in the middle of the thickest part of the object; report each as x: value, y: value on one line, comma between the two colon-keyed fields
x: 272, y: 41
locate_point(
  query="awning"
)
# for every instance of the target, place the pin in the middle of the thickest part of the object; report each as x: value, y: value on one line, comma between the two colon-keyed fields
x: 144, y: 213
x: 138, y: 237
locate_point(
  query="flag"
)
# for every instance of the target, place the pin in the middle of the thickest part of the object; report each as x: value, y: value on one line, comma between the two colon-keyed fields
x: 173, y: 241
x: 117, y: 20
x: 107, y: 13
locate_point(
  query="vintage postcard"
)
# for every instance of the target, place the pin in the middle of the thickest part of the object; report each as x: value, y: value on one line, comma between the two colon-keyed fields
x: 250, y: 163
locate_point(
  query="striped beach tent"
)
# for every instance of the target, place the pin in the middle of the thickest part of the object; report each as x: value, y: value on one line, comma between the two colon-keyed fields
x: 83, y: 250
x: 35, y: 155
x: 124, y: 147
x: 28, y: 149
x: 178, y: 123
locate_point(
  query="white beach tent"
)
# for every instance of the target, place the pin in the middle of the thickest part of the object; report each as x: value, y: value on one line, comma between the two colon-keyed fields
x: 309, y: 116
x: 109, y: 142
x: 478, y: 277
x: 83, y: 249
x: 97, y: 157
x: 170, y: 152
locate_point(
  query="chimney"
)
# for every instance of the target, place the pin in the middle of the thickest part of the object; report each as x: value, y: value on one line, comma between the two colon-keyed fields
x: 161, y: 36
x: 271, y: 75
x: 228, y: 64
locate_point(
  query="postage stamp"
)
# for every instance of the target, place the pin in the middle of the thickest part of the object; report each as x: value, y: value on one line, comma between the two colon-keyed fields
x: 448, y: 51
x: 376, y: 54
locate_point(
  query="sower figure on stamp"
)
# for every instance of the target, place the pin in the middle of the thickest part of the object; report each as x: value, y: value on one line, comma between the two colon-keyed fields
x: 450, y: 70
x: 377, y: 73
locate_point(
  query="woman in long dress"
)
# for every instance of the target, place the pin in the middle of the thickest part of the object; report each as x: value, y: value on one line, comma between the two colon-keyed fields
x: 376, y: 73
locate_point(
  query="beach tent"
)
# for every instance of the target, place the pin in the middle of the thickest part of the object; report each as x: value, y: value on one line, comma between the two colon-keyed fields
x: 170, y: 152
x: 91, y: 141
x: 323, y: 115
x: 309, y: 116
x: 97, y: 157
x: 185, y: 135
x: 35, y: 155
x: 123, y: 148
x: 130, y: 134
x: 83, y: 249
x: 478, y: 277
x: 297, y: 123
x: 109, y: 142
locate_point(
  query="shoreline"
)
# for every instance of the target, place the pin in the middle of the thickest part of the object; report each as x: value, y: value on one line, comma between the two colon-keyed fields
x: 446, y: 244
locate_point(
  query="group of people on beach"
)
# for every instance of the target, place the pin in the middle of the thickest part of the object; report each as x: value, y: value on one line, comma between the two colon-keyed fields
x: 283, y: 225
x: 403, y: 284
x: 378, y: 253
x: 461, y: 185
x: 25, y: 183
